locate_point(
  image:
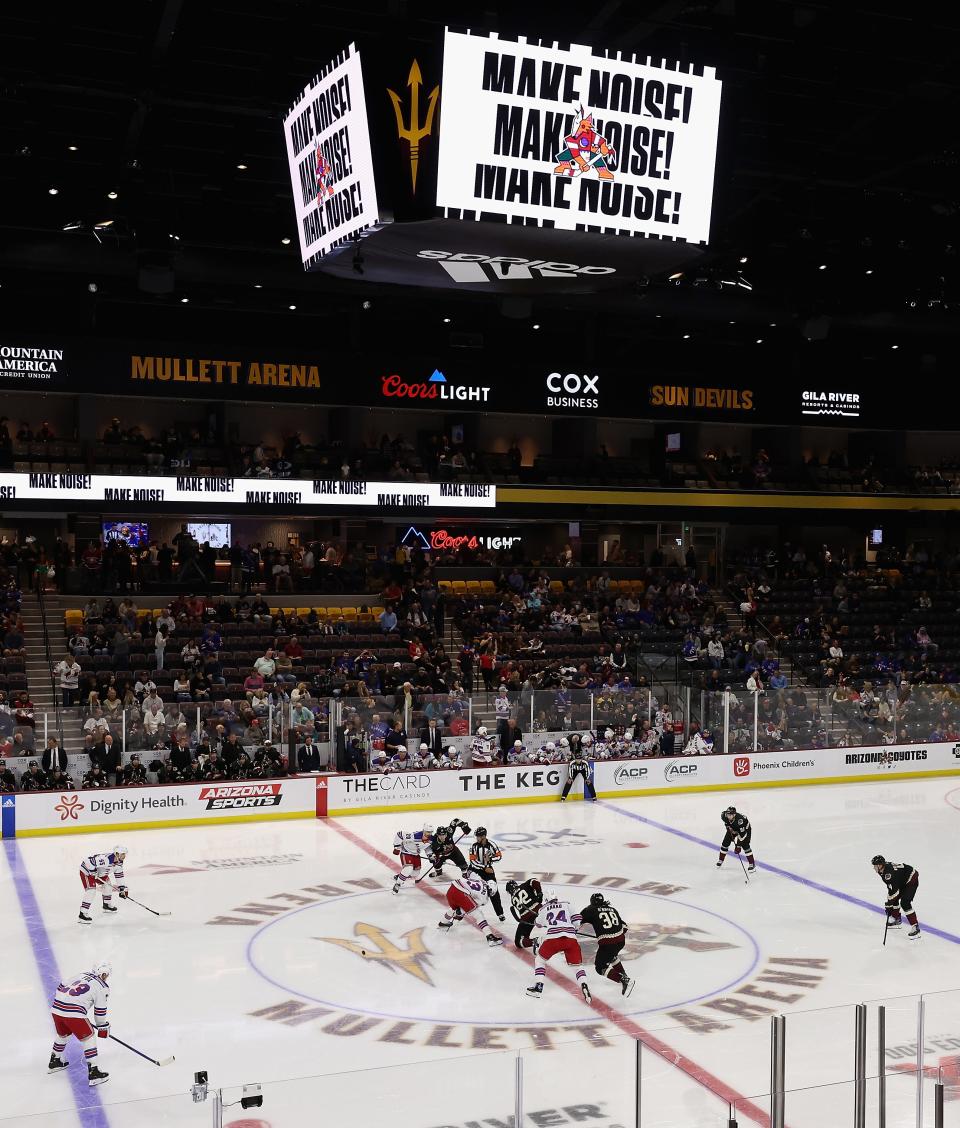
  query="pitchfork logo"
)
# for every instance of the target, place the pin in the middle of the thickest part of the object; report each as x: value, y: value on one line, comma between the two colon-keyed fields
x: 69, y: 807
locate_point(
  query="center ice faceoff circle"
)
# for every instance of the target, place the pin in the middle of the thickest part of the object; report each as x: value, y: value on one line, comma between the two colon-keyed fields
x: 679, y: 954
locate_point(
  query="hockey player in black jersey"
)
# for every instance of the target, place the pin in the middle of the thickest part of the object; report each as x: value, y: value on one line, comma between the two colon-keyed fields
x: 483, y: 854
x: 525, y: 900
x: 445, y: 848
x: 738, y: 832
x: 901, y: 880
x: 611, y: 932
x: 579, y: 765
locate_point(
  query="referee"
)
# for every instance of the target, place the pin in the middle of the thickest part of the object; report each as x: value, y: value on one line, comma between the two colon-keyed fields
x: 483, y: 853
x: 579, y: 765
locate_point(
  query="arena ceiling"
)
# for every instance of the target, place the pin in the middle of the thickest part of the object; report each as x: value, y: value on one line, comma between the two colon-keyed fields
x: 837, y: 176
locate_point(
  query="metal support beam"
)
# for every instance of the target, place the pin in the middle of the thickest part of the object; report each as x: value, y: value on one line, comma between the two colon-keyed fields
x: 639, y: 1086
x: 518, y: 1094
x: 882, y: 1067
x: 921, y: 1006
x: 778, y: 1057
x: 860, y: 1066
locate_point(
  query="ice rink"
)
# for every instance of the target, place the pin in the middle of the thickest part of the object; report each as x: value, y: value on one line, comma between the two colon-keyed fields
x: 258, y: 974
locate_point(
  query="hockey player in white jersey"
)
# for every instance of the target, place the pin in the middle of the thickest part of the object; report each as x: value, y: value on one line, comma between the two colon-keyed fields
x: 483, y: 749
x: 561, y: 752
x: 469, y: 892
x: 410, y: 846
x: 561, y: 923
x: 96, y: 871
x: 517, y: 754
x: 79, y: 1010
x: 452, y: 759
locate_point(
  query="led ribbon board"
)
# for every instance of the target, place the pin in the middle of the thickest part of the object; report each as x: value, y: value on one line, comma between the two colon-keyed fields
x: 575, y: 139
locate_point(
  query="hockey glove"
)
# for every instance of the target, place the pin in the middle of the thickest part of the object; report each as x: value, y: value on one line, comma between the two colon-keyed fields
x: 103, y: 1031
x: 124, y: 891
x: 396, y: 850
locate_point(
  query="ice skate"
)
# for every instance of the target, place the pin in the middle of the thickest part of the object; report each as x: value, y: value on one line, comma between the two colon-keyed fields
x: 84, y: 919
x: 96, y: 1076
x: 536, y: 991
x: 493, y: 940
x: 55, y: 1064
x: 626, y: 985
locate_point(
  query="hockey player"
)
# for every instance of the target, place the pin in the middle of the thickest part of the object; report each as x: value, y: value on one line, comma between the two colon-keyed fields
x: 467, y: 893
x: 483, y: 854
x: 451, y: 759
x: 79, y: 1008
x: 579, y: 766
x: 561, y: 753
x: 561, y: 924
x: 482, y: 750
x: 96, y: 870
x: 525, y: 901
x: 607, y: 747
x: 738, y: 831
x: 409, y: 846
x: 611, y: 932
x: 444, y: 847
x: 901, y: 881
x: 545, y: 753
x: 517, y: 754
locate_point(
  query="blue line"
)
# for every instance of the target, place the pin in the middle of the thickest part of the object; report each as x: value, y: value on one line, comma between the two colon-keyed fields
x: 809, y: 882
x: 89, y: 1106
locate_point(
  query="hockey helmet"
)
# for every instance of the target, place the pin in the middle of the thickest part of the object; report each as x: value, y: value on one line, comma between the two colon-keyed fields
x: 451, y: 751
x: 550, y: 746
x: 608, y: 734
x: 878, y: 860
x: 480, y: 832
x: 482, y: 730
x: 511, y: 888
x: 597, y: 899
x: 731, y: 810
x: 518, y: 744
x: 103, y: 969
x: 424, y: 747
x: 427, y: 829
x: 564, y: 743
x: 588, y: 739
x: 121, y: 851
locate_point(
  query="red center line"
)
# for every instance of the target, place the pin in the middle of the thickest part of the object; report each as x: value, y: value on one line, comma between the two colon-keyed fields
x: 686, y: 1065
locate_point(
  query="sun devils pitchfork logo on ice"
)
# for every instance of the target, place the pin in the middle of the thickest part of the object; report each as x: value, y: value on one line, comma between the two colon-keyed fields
x: 378, y: 947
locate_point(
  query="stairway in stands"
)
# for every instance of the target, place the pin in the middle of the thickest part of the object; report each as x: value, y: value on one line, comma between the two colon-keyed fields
x: 38, y: 673
x: 735, y: 619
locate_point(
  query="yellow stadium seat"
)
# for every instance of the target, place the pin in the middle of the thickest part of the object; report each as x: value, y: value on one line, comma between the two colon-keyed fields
x: 556, y: 585
x: 274, y: 610
x: 349, y: 612
x: 460, y: 585
x: 303, y: 612
x: 445, y: 585
x: 474, y: 585
x: 377, y: 611
x: 488, y: 587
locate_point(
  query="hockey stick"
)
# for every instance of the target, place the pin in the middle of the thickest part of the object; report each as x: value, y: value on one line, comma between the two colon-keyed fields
x: 426, y: 873
x: 743, y: 866
x: 886, y: 927
x: 140, y: 1053
x: 147, y: 907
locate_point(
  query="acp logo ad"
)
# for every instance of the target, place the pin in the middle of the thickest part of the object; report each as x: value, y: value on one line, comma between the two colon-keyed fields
x: 679, y: 771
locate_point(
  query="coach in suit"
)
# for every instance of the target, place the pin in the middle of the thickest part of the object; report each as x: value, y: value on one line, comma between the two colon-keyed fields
x: 432, y: 737
x: 53, y: 757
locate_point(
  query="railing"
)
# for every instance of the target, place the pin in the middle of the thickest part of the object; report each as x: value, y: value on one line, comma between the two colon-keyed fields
x: 49, y: 658
x: 886, y: 1062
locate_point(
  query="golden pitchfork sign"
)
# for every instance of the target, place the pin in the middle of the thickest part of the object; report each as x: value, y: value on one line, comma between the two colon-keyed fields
x: 414, y: 132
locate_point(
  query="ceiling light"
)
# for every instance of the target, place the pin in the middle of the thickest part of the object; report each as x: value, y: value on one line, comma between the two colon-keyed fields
x: 73, y: 225
x: 536, y: 325
x: 72, y: 148
x: 773, y: 325
x: 101, y: 224
x: 822, y: 266
x: 92, y: 287
x: 285, y: 240
x: 759, y: 340
x: 183, y: 301
x: 894, y: 346
x: 446, y: 321
x: 291, y: 307
x: 172, y: 236
x: 258, y: 285
x: 658, y: 316
x: 112, y: 194
x: 743, y: 259
x: 686, y: 336
x: 53, y: 191
x: 731, y: 323
x: 242, y: 167
x: 868, y: 272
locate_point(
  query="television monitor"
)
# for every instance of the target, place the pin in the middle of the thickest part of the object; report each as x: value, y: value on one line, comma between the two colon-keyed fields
x: 133, y: 533
x: 216, y: 532
x: 876, y: 537
x: 673, y: 442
